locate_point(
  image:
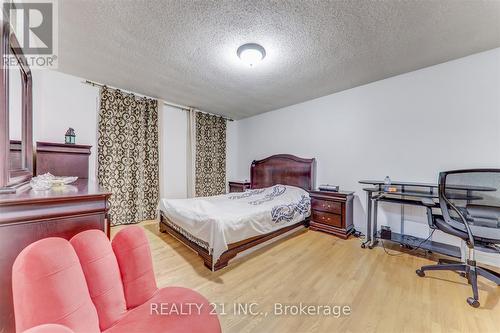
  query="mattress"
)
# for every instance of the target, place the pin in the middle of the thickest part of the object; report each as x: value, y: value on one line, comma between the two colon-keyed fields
x: 229, y: 218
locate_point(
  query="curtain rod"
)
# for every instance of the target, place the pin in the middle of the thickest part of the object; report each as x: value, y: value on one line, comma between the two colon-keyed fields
x: 177, y: 106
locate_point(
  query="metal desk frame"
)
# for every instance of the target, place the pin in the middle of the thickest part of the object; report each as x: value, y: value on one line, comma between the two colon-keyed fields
x: 404, y: 196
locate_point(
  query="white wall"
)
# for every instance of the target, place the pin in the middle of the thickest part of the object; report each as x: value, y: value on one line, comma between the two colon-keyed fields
x: 408, y: 127
x: 173, y: 152
x: 61, y: 101
x: 232, y: 150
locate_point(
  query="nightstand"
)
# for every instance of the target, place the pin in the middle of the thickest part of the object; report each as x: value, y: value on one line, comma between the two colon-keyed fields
x: 331, y: 212
x: 237, y: 186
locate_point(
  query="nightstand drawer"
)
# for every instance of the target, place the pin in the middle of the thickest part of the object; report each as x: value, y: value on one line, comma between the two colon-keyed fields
x: 238, y: 186
x: 326, y: 206
x: 327, y: 218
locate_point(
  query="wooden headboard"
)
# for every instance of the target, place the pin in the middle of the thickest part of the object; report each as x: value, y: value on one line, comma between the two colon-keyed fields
x: 283, y: 169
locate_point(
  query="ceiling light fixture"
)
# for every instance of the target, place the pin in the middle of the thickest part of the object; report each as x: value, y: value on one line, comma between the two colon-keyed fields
x: 251, y: 53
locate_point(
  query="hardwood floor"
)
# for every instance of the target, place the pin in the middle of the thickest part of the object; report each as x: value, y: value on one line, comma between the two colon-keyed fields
x: 382, y: 291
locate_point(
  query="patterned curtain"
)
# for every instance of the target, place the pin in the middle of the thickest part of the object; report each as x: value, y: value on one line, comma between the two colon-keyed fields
x: 210, y: 164
x: 128, y: 158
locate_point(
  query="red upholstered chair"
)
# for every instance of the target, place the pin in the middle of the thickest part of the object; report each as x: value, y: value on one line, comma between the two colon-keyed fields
x: 89, y: 285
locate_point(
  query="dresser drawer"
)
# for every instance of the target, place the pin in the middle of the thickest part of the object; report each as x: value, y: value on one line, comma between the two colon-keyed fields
x: 327, y: 218
x: 326, y: 206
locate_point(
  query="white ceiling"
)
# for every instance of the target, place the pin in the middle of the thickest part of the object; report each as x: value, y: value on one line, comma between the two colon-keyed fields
x: 185, y: 51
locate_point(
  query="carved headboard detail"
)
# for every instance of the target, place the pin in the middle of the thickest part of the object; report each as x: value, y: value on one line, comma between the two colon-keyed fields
x: 283, y: 169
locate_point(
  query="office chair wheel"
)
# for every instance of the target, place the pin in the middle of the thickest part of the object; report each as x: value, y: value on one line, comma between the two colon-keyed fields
x: 473, y: 302
x: 420, y: 272
x: 363, y: 245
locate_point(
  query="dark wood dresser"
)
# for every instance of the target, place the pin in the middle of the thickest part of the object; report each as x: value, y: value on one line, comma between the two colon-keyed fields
x: 238, y: 186
x: 62, y: 159
x: 31, y: 215
x: 332, y: 212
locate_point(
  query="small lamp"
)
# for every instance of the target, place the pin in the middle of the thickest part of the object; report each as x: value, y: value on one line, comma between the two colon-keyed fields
x: 70, y: 136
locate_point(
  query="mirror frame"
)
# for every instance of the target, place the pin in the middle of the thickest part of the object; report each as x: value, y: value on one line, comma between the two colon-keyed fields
x: 10, y: 180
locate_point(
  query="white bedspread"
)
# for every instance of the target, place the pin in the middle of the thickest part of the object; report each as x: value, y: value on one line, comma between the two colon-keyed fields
x: 229, y: 218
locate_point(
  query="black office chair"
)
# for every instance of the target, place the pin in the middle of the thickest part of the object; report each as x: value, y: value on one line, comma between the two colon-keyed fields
x: 470, y: 209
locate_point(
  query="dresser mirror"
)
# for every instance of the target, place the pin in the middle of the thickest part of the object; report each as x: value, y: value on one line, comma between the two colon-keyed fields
x: 16, y: 142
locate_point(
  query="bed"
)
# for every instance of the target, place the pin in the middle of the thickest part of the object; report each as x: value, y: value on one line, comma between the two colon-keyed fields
x: 220, y: 227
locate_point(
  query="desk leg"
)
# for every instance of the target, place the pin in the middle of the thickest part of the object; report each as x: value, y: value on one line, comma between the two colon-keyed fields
x: 374, y: 239
x: 368, y: 219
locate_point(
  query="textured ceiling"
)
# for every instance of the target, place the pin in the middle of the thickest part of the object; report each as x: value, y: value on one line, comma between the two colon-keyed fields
x: 185, y: 51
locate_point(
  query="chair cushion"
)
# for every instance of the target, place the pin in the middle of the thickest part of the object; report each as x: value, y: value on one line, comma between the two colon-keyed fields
x: 102, y: 274
x: 481, y: 234
x: 488, y: 212
x: 131, y: 249
x: 175, y: 316
x: 49, y: 287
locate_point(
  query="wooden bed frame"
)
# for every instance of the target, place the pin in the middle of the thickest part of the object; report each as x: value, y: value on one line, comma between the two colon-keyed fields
x: 277, y: 169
